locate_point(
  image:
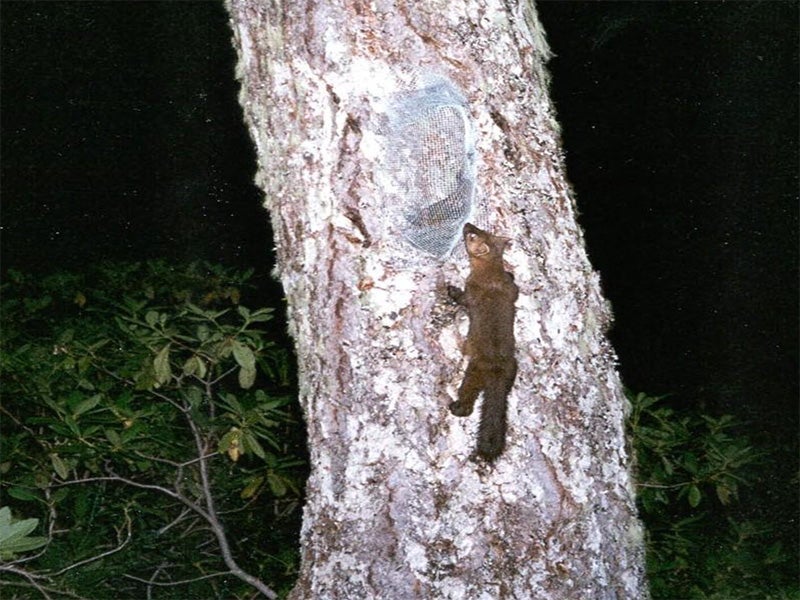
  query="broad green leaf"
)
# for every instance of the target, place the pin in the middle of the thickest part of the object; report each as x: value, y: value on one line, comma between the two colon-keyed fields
x: 726, y: 492
x: 60, y: 428
x: 10, y: 531
x: 84, y: 364
x: 233, y: 404
x: 73, y: 425
x: 23, y: 494
x: 59, y: 466
x: 197, y: 310
x: 113, y: 437
x: 250, y: 444
x: 87, y: 404
x: 194, y: 365
x: 190, y: 366
x: 694, y: 496
x: 247, y: 378
x: 194, y: 396
x: 59, y: 495
x: 244, y: 356
x: 99, y: 344
x: 690, y: 463
x: 276, y: 484
x: 133, y: 429
x: 271, y: 404
x: 14, y: 534
x: 261, y: 315
x: 161, y: 364
x: 24, y: 544
x: 66, y: 336
x: 42, y: 480
x: 145, y: 379
x: 251, y: 488
x: 74, y: 399
x: 202, y: 369
x: 151, y: 318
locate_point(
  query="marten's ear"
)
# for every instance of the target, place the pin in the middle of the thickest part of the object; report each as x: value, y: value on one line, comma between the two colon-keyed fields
x: 499, y: 243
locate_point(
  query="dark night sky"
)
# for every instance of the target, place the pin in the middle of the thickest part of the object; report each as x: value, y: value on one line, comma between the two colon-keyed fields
x: 121, y: 138
x: 680, y: 125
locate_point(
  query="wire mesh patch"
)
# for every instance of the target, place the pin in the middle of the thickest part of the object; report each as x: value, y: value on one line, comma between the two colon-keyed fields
x: 432, y: 161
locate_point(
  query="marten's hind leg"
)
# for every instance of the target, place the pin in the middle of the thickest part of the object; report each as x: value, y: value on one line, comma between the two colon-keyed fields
x: 471, y: 387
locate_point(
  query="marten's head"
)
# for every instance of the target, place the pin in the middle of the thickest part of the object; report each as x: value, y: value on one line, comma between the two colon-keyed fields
x: 483, y: 245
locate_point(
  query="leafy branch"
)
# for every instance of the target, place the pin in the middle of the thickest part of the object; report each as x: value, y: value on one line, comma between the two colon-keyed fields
x: 154, y: 392
x: 691, y: 469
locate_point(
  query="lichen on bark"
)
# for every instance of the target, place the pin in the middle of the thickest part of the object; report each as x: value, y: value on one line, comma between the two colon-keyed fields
x: 395, y: 508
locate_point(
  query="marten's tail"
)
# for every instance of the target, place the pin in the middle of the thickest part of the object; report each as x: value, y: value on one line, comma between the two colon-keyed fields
x: 492, y: 430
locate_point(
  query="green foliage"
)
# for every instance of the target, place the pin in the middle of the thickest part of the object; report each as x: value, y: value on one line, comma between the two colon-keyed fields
x: 138, y: 398
x: 691, y: 470
x: 14, y: 538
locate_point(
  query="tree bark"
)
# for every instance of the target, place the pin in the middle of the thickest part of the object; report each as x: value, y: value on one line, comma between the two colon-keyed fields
x: 395, y: 508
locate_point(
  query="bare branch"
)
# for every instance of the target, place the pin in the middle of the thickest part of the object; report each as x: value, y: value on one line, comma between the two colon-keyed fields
x: 173, y: 583
x: 144, y: 486
x: 18, y: 423
x: 665, y: 487
x: 209, y: 515
x: 43, y: 589
x: 222, y: 376
x: 173, y: 463
x: 175, y: 521
x: 50, y: 589
x: 30, y: 577
x: 216, y: 525
x: 120, y: 546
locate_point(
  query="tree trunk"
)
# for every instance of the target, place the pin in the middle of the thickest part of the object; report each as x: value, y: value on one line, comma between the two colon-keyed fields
x: 380, y: 128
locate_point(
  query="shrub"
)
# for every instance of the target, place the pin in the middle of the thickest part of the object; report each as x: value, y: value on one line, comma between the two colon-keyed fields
x: 148, y: 423
x: 691, y: 469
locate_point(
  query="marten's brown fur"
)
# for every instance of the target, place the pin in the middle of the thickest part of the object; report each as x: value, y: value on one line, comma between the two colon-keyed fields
x: 489, y: 296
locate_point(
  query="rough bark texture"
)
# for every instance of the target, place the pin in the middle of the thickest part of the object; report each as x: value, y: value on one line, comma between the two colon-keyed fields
x: 395, y: 509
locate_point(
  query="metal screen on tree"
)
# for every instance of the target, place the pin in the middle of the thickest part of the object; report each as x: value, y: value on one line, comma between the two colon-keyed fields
x: 432, y: 157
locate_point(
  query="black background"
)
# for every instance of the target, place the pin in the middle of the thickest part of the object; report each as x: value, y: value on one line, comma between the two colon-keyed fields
x: 121, y: 138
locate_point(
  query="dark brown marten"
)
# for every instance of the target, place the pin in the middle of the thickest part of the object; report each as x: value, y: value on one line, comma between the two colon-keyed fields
x: 489, y: 296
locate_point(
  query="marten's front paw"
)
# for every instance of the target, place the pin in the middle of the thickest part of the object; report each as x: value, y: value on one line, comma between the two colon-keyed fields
x: 456, y: 294
x: 461, y: 409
